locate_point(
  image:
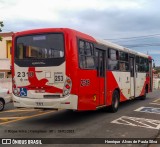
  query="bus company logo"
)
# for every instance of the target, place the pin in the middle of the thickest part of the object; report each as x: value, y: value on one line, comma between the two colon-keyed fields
x: 6, y: 141
x: 35, y: 63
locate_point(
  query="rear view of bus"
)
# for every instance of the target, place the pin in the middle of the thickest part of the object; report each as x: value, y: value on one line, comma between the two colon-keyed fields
x: 39, y: 70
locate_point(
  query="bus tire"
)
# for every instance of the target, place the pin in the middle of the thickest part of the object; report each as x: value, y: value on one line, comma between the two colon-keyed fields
x: 115, y: 102
x: 1, y: 105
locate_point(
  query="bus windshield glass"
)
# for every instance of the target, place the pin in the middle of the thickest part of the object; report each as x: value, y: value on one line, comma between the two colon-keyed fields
x: 44, y: 46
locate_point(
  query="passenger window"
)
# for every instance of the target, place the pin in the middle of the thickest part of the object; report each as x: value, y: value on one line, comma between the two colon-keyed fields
x: 123, y: 64
x: 113, y: 65
x: 90, y: 62
x: 123, y: 56
x: 113, y: 54
x: 86, y: 57
x: 81, y: 47
x: 142, y: 64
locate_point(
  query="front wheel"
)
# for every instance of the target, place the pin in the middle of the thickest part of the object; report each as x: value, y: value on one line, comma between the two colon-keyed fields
x: 115, y: 102
x: 1, y: 105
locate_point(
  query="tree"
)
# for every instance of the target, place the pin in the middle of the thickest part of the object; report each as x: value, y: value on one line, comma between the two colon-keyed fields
x: 1, y: 25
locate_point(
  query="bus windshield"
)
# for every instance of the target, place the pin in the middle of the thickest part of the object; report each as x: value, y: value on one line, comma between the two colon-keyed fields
x: 42, y: 46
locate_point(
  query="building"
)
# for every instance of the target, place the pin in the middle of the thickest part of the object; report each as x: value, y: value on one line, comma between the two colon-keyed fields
x: 156, y: 80
x: 5, y: 68
x: 5, y: 55
x: 156, y: 83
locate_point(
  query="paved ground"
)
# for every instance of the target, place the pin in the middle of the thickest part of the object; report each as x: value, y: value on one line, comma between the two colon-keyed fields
x: 135, y: 119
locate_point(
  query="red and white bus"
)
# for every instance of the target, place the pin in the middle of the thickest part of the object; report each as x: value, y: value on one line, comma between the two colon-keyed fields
x: 64, y: 68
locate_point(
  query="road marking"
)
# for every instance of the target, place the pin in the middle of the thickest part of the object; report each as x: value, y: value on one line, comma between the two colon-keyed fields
x: 20, y: 109
x: 138, y: 122
x: 27, y: 117
x: 156, y: 102
x: 9, y: 118
x: 148, y: 110
x: 6, y: 119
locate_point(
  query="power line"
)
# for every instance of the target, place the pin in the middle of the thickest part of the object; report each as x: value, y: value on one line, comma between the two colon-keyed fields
x: 140, y: 45
x: 130, y: 40
x: 135, y: 37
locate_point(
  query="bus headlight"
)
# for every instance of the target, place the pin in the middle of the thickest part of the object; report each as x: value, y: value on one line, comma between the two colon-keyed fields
x: 67, y: 86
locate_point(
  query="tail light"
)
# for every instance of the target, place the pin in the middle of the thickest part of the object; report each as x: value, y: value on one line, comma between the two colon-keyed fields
x: 16, y: 90
x: 67, y: 86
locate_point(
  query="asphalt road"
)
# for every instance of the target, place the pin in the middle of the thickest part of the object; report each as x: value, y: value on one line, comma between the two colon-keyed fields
x: 126, y: 123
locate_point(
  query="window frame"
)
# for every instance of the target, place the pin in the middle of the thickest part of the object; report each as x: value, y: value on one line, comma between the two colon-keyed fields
x: 85, y: 55
x: 140, y: 66
x: 124, y: 61
x: 47, y: 62
x: 119, y: 60
x: 111, y: 59
x: 124, y: 53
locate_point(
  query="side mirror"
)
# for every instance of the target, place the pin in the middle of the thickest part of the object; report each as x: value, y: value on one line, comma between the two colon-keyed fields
x: 154, y: 65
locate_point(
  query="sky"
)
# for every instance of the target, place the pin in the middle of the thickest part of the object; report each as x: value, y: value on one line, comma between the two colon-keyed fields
x: 130, y: 23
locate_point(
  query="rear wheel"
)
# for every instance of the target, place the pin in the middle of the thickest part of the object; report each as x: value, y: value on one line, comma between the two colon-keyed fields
x: 1, y: 105
x: 115, y: 102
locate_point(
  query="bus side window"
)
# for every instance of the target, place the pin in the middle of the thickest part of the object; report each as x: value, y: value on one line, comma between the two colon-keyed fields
x: 122, y: 66
x: 86, y: 55
x: 81, y: 47
x: 146, y: 65
x: 113, y: 63
x: 142, y: 64
x: 123, y: 61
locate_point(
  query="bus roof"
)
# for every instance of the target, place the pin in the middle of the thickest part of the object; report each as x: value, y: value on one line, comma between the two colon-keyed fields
x: 83, y: 35
x: 121, y: 48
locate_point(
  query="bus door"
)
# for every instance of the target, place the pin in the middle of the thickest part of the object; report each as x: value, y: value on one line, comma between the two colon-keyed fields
x: 132, y: 73
x: 100, y: 59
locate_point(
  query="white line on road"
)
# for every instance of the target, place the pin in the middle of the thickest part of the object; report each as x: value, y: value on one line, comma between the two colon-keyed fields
x: 148, y: 110
x: 138, y: 122
x: 26, y: 117
x: 4, y: 118
x: 157, y: 100
x: 155, y: 104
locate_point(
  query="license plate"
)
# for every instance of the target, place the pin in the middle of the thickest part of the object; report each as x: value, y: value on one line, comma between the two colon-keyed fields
x: 58, y: 77
x: 39, y: 103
